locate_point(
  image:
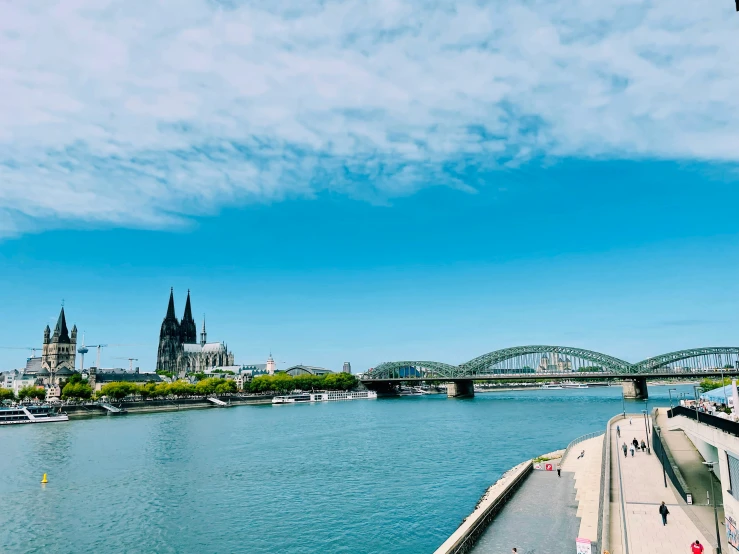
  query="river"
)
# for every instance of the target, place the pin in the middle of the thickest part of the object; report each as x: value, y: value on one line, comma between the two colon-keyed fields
x: 389, y: 475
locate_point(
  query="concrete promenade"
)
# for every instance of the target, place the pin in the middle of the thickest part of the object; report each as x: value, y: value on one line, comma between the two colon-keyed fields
x: 698, y: 479
x: 548, y: 513
x: 641, y: 479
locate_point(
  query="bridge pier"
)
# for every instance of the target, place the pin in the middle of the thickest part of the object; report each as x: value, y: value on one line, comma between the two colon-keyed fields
x: 460, y: 389
x: 636, y: 388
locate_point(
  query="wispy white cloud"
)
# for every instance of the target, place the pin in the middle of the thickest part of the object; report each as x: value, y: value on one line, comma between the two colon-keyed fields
x: 141, y: 113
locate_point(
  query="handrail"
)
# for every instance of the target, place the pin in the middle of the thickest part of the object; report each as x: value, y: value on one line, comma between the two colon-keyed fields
x: 577, y: 441
x: 624, y: 532
x: 604, y: 502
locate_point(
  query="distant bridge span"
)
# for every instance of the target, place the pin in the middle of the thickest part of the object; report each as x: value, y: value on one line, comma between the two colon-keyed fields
x: 527, y: 363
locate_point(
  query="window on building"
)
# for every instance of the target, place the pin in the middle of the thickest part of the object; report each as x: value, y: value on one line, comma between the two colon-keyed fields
x: 733, y: 475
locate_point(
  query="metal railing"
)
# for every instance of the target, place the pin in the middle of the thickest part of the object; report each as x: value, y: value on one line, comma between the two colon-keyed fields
x: 604, y: 501
x: 725, y: 425
x: 577, y: 441
x: 668, y: 463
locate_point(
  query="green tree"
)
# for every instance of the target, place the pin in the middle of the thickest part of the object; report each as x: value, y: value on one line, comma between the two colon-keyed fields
x: 340, y: 381
x: 226, y: 387
x: 710, y: 384
x: 118, y: 390
x: 282, y: 383
x: 79, y: 390
x: 6, y: 394
x: 31, y: 392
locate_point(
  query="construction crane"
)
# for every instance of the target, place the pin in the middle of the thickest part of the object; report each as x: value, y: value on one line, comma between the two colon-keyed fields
x: 101, y: 346
x: 21, y: 348
x: 130, y: 362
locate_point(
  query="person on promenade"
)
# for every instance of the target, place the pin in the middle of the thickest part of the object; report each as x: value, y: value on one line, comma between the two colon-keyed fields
x: 643, y: 446
x: 635, y: 443
x: 559, y: 471
x: 663, y: 511
x: 625, y: 449
x: 514, y: 551
x: 696, y: 547
x: 629, y: 421
x: 618, y: 431
x: 632, y: 451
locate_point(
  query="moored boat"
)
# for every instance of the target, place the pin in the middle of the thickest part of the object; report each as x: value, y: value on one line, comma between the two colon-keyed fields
x: 31, y: 414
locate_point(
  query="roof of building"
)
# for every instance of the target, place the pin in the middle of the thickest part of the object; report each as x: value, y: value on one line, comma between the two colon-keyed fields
x: 128, y: 377
x: 303, y: 369
x: 211, y: 347
x: 33, y: 365
x: 60, y: 331
x: 64, y: 371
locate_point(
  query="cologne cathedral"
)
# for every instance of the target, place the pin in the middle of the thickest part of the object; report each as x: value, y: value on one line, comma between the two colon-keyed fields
x: 179, y: 349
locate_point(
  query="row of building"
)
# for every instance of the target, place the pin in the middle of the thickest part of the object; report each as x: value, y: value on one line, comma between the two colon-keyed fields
x: 180, y: 355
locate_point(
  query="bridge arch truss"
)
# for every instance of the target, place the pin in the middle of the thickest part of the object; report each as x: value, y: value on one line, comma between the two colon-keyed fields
x: 707, y: 358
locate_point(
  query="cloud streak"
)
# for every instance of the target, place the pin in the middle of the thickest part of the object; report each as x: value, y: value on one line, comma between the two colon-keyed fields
x: 143, y: 113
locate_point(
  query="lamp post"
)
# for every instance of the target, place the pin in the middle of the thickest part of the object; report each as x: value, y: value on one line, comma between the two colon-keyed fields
x: 669, y: 391
x: 709, y: 465
x: 646, y: 426
x: 623, y: 402
x: 723, y: 386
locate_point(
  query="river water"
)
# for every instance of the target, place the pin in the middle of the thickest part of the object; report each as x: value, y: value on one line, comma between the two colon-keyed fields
x: 389, y: 475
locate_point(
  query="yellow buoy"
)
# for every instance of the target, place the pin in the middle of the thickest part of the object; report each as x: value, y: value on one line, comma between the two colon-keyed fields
x: 44, y: 480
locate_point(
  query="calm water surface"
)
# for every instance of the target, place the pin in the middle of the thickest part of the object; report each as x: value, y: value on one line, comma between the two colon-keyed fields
x: 391, y: 475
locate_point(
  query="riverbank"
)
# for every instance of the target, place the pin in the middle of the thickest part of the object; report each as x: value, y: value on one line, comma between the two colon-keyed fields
x: 94, y: 409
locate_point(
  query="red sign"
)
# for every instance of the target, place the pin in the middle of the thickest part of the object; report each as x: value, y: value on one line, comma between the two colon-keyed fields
x: 548, y: 467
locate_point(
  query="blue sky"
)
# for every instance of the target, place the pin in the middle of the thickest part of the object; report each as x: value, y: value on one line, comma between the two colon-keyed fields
x: 370, y: 181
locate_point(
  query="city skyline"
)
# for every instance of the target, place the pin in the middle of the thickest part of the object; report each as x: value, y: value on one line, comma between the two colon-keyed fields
x: 344, y: 182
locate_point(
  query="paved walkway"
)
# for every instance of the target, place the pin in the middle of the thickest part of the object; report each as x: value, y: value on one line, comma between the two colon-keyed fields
x: 587, y: 483
x: 541, y: 518
x: 698, y: 478
x: 643, y: 490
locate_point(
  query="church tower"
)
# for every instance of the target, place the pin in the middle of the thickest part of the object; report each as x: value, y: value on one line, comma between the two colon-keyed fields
x: 203, y: 334
x: 59, y: 350
x: 188, y: 332
x: 169, y: 338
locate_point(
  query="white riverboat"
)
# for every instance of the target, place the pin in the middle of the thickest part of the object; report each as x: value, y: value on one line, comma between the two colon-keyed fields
x: 410, y: 391
x: 324, y: 396
x: 31, y: 414
x: 574, y: 386
x: 552, y: 387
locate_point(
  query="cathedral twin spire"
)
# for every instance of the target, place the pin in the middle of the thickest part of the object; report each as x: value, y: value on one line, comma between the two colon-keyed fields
x: 186, y: 327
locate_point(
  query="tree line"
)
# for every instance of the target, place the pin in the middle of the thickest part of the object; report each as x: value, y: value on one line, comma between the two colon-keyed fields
x: 79, y: 389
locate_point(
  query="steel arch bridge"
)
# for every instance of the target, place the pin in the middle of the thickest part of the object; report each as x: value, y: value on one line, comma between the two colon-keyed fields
x: 483, y: 364
x: 508, y: 362
x: 714, y: 357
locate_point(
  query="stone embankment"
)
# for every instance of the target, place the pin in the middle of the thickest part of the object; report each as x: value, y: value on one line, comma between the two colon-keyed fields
x: 494, y: 527
x: 149, y: 406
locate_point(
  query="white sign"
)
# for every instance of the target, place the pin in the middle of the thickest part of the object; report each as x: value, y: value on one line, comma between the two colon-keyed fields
x: 583, y: 546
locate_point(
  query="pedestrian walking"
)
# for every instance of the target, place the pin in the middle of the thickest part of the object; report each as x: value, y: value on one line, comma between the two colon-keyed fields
x: 696, y: 547
x: 632, y: 451
x: 514, y: 551
x: 643, y: 446
x: 618, y: 431
x: 559, y: 472
x: 629, y: 421
x: 625, y: 450
x: 663, y: 511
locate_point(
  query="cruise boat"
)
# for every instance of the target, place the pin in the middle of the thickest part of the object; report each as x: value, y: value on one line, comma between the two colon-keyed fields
x: 324, y: 396
x: 410, y: 391
x: 31, y: 414
x: 574, y: 386
x: 552, y: 387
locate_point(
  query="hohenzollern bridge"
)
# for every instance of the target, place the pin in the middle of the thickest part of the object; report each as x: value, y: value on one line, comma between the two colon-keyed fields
x: 527, y: 363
